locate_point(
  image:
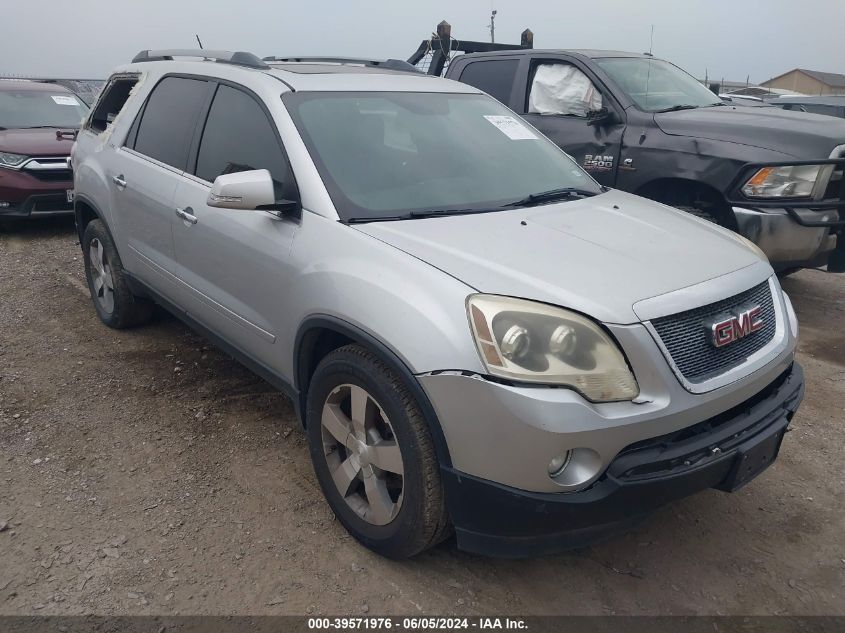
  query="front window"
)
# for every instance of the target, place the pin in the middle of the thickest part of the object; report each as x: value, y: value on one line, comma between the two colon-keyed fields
x: 37, y: 108
x: 655, y: 85
x: 391, y: 155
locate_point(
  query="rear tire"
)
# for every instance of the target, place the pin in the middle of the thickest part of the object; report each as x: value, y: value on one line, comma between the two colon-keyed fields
x: 373, y: 454
x: 113, y: 299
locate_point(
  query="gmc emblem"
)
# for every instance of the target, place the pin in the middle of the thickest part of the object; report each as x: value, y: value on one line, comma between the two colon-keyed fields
x: 734, y: 327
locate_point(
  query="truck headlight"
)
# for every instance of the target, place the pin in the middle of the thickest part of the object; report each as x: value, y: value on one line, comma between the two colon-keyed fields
x: 533, y: 342
x: 796, y: 181
x: 8, y: 159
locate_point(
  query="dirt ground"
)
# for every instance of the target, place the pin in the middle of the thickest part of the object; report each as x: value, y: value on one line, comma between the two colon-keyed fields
x: 145, y: 472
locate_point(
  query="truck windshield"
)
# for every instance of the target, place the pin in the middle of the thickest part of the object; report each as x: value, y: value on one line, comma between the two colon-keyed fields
x: 37, y: 108
x: 656, y: 85
x: 397, y: 155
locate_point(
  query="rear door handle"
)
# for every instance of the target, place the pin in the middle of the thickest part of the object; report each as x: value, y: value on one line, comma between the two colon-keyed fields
x: 186, y: 214
x: 119, y: 181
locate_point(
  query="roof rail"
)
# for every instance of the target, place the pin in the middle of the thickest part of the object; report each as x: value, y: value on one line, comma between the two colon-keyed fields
x: 390, y: 64
x: 238, y: 58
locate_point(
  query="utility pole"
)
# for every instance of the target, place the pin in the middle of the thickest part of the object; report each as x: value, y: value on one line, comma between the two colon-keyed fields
x: 198, y: 39
x: 493, y: 27
x: 651, y: 42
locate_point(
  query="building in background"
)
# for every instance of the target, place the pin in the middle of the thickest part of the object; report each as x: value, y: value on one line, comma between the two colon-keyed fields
x: 808, y: 82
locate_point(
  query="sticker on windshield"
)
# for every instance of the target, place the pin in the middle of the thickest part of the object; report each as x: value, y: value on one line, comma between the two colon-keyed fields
x: 511, y: 128
x: 65, y: 100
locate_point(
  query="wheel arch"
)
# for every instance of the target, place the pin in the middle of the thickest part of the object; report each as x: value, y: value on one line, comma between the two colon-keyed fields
x: 84, y: 212
x: 663, y: 190
x: 319, y: 335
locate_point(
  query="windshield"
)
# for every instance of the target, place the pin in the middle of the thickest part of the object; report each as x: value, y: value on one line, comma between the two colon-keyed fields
x: 391, y: 155
x: 656, y: 85
x: 36, y: 108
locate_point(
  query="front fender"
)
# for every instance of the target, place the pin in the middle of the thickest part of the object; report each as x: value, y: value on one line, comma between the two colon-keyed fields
x: 414, y: 310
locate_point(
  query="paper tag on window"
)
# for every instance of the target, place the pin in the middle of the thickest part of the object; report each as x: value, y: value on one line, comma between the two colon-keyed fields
x: 65, y: 100
x: 511, y: 128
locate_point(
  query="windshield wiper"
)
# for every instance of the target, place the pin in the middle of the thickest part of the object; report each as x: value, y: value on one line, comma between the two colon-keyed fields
x: 683, y: 106
x: 422, y: 213
x: 426, y: 213
x: 564, y: 193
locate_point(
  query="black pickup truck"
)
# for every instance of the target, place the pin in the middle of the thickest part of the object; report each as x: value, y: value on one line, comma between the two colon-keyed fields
x: 643, y: 125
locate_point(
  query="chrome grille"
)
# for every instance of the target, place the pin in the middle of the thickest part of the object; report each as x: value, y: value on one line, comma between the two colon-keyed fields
x: 687, y: 340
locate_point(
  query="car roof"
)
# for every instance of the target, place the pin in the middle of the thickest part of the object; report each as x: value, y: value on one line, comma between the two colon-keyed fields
x: 309, y: 76
x: 32, y: 86
x: 833, y: 100
x: 592, y: 53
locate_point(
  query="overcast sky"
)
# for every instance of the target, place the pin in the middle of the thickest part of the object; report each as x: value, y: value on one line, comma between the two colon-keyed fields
x: 727, y: 38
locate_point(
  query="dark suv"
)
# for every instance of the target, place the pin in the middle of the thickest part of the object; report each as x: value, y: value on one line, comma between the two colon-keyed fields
x: 38, y: 124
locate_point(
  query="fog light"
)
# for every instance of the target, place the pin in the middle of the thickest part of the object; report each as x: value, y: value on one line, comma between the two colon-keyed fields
x: 558, y: 464
x: 575, y: 468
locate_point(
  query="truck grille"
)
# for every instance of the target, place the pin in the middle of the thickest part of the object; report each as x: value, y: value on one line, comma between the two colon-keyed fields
x: 687, y: 339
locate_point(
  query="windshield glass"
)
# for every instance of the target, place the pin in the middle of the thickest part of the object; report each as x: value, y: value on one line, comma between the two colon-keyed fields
x: 387, y: 155
x: 655, y: 85
x: 36, y: 108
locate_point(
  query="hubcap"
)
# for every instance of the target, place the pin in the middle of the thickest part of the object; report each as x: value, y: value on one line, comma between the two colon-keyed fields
x: 362, y: 454
x: 101, y: 276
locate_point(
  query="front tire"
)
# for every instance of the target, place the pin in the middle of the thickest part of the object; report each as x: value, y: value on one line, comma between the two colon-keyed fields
x: 113, y: 299
x: 373, y: 454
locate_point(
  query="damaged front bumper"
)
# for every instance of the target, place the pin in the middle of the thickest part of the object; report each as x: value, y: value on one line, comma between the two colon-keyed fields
x: 805, y: 241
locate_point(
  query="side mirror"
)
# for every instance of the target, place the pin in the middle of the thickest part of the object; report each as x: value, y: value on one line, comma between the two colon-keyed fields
x: 601, y: 117
x: 246, y: 190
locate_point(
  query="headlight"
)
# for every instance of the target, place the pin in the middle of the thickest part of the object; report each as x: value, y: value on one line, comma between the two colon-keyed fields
x: 532, y: 342
x: 797, y: 181
x: 11, y: 160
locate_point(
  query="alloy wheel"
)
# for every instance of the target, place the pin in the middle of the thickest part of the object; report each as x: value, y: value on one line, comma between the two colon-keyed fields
x: 362, y: 454
x: 101, y: 276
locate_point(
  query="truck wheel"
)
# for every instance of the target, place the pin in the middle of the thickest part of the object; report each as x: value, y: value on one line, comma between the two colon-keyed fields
x: 116, y: 306
x: 373, y: 455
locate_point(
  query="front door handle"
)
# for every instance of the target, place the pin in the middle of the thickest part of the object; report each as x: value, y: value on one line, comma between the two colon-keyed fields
x: 119, y: 181
x: 187, y: 215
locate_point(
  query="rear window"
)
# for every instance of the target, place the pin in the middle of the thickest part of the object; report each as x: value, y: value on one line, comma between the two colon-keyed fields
x: 21, y: 109
x: 169, y: 118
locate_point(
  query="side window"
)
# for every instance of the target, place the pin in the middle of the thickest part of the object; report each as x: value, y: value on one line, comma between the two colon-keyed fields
x: 110, y: 103
x: 495, y: 77
x: 169, y: 118
x: 562, y: 89
x: 238, y: 136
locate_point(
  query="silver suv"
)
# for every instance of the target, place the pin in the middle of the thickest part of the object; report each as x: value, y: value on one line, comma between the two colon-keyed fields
x: 477, y: 336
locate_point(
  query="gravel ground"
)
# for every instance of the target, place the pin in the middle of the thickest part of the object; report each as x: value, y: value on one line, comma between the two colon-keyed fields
x: 145, y: 472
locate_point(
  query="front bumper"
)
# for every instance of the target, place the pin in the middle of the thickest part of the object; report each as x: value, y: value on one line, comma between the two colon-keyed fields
x: 24, y: 195
x: 723, y: 452
x: 785, y: 240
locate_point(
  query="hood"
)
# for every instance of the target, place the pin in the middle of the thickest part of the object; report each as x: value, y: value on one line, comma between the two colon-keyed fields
x: 39, y: 142
x: 598, y: 255
x: 804, y: 136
